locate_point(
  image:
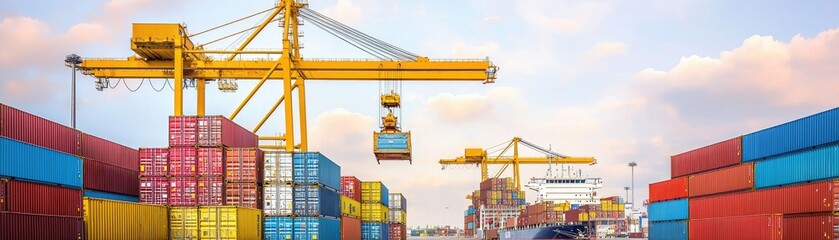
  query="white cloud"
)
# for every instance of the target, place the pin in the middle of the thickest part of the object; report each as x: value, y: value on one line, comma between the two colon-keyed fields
x: 345, y: 11
x: 562, y: 16
x: 461, y: 50
x: 604, y: 50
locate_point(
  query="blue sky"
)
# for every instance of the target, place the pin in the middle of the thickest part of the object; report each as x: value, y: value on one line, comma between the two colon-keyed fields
x: 619, y: 80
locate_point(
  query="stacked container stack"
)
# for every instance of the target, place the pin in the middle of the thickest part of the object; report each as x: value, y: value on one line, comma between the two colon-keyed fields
x: 278, y: 196
x: 374, y: 211
x: 493, y: 193
x: 110, y: 169
x: 398, y: 207
x: 350, y: 207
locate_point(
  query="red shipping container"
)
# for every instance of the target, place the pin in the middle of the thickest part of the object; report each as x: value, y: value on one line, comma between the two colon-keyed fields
x: 183, y: 161
x: 350, y: 228
x: 397, y: 232
x: 109, y: 178
x: 763, y: 227
x: 491, y: 234
x: 718, y: 155
x: 244, y: 165
x: 92, y: 147
x: 799, y: 199
x: 351, y: 187
x: 210, y: 191
x: 26, y: 127
x: 210, y: 162
x: 183, y: 191
x: 819, y: 226
x: 154, y: 190
x: 183, y: 131
x: 17, y: 226
x: 35, y: 198
x: 154, y: 161
x: 669, y: 189
x: 243, y: 194
x: 729, y: 179
x: 3, y: 183
x: 218, y: 131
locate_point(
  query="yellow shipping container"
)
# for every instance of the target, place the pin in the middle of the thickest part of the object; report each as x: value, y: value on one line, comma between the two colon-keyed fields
x: 183, y: 223
x: 371, y: 192
x: 350, y: 207
x: 108, y: 219
x: 374, y: 212
x: 583, y: 216
x: 230, y: 222
x: 592, y: 215
x: 621, y: 207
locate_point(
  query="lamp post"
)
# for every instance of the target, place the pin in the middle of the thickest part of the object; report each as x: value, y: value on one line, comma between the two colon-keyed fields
x: 73, y: 61
x: 632, y: 166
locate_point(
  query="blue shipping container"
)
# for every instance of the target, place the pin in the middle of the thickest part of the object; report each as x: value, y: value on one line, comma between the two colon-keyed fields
x: 29, y: 162
x: 395, y: 142
x: 374, y: 231
x: 470, y: 225
x: 668, y: 210
x: 312, y: 168
x: 278, y: 228
x: 810, y: 165
x: 672, y: 230
x: 316, y: 201
x: 819, y: 129
x: 312, y: 228
x: 470, y: 210
x: 110, y: 196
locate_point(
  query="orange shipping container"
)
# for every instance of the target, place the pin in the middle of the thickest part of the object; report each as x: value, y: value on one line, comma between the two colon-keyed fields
x: 244, y: 165
x: 350, y: 228
x: 729, y: 179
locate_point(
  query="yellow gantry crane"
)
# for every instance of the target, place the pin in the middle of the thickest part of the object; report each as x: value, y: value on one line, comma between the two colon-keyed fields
x: 478, y: 156
x: 167, y: 51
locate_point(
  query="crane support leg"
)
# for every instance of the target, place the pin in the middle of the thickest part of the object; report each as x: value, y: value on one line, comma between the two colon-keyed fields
x: 286, y: 61
x: 301, y: 93
x: 484, y: 171
x: 516, y: 165
x: 179, y: 79
x: 200, y: 89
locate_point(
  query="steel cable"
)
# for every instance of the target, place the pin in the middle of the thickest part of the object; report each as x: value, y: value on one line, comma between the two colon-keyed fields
x: 393, y: 49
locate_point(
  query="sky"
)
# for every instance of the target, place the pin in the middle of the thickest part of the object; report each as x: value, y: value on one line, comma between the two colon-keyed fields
x: 620, y: 81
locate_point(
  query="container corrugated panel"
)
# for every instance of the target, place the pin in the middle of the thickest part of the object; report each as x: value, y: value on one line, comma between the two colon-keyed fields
x: 803, y: 166
x: 183, y: 223
x: 92, y: 147
x: 799, y: 199
x: 374, y: 192
x: 154, y: 190
x: 210, y: 162
x: 764, y: 227
x: 729, y: 179
x: 350, y: 228
x: 110, y: 196
x: 154, y: 161
x: 35, y: 198
x: 278, y: 167
x: 183, y: 131
x: 398, y: 232
x: 183, y: 161
x: 374, y: 231
x: 218, y: 131
x: 243, y: 194
x: 669, y: 189
x: 315, y: 168
x: 53, y: 167
x: 672, y: 230
x: 3, y: 202
x: 393, y: 142
x: 316, y: 201
x: 278, y: 200
x: 312, y: 228
x: 374, y: 212
x: 397, y: 216
x: 106, y: 219
x: 105, y: 177
x: 243, y: 165
x: 28, y: 128
x: 14, y: 226
x: 397, y: 201
x: 811, y: 131
x: 183, y: 191
x: 820, y: 226
x: 210, y: 191
x: 668, y: 210
x: 718, y: 155
x: 229, y: 222
x: 278, y: 228
x: 351, y: 187
x: 350, y: 207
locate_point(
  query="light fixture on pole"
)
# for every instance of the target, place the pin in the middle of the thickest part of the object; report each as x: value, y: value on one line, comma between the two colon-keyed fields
x: 73, y: 61
x: 632, y: 166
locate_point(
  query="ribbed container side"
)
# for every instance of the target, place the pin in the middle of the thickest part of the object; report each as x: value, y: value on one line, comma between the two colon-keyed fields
x: 811, y: 131
x: 106, y: 219
x: 210, y: 162
x: 25, y: 127
x: 210, y: 191
x: 669, y: 189
x: 374, y: 212
x: 183, y: 223
x: 313, y: 228
x: 15, y: 226
x: 183, y: 161
x: 243, y: 165
x: 397, y: 232
x: 374, y: 231
x: 397, y: 201
x: 35, y: 198
x: 799, y: 199
x: 218, y: 131
x: 765, y: 227
x: 183, y: 191
x: 278, y: 199
x: 729, y: 179
x: 110, y: 196
x: 820, y: 226
x: 351, y: 187
x: 154, y: 190
x: 278, y: 167
x: 315, y: 201
x: 803, y: 166
x: 278, y: 228
x: 154, y: 161
x: 350, y: 207
x: 183, y: 131
x: 718, y: 155
x: 672, y: 230
x: 374, y: 192
x: 110, y: 178
x: 3, y: 201
x: 53, y: 167
x: 397, y: 216
x: 229, y: 222
x: 393, y: 142
x: 243, y: 194
x: 350, y: 228
x: 668, y: 210
x: 315, y: 168
x: 92, y: 147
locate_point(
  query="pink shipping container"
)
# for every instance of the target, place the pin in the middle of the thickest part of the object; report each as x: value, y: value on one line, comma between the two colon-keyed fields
x: 92, y: 147
x: 183, y: 161
x: 729, y: 179
x: 35, y: 198
x: 22, y: 226
x: 109, y: 178
x: 183, y: 191
x: 821, y: 226
x: 668, y: 190
x: 210, y: 162
x: 210, y: 191
x: 26, y: 127
x: 243, y: 194
x: 183, y: 131
x: 351, y: 187
x: 397, y: 232
x: 816, y: 197
x: 244, y: 165
x: 154, y: 190
x: 218, y: 131
x: 763, y: 227
x: 154, y: 161
x: 718, y: 155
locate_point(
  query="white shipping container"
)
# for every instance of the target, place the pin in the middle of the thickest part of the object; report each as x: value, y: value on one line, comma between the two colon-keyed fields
x: 279, y: 199
x: 278, y: 167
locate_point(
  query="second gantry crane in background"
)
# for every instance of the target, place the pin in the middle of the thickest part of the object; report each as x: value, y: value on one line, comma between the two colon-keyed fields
x: 478, y: 156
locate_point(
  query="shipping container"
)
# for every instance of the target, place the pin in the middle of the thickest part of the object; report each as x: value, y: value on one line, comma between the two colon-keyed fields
x: 799, y: 199
x: 315, y: 168
x: 671, y: 230
x: 397, y: 216
x: 350, y: 207
x: 392, y: 142
x: 718, y: 155
x: 183, y: 191
x: 669, y: 210
x: 210, y: 191
x: 314, y: 201
x: 110, y: 196
x: 243, y: 194
x: 278, y: 228
x: 818, y: 226
x: 313, y: 228
x: 110, y: 178
x: 243, y: 165
x: 278, y: 200
x: 351, y: 187
x: 106, y: 219
x: 154, y: 190
x: 218, y: 131
x: 669, y: 189
x: 53, y: 167
x: 278, y: 167
x: 16, y: 226
x: 397, y: 201
x: 350, y: 228
x: 3, y: 202
x: 729, y: 179
x: 36, y: 198
x: 183, y: 131
x: 808, y: 132
x: 229, y: 222
x: 25, y: 127
x: 397, y: 232
x: 374, y: 231
x: 210, y: 162
x: 154, y: 161
x: 799, y: 167
x: 183, y: 223
x: 374, y: 212
x: 764, y: 227
x: 92, y: 147
x: 374, y: 192
x: 183, y: 161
